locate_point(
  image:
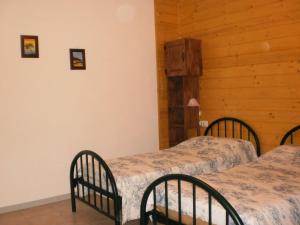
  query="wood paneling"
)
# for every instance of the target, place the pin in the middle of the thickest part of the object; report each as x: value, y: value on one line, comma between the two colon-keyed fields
x: 251, y: 61
x: 166, y: 20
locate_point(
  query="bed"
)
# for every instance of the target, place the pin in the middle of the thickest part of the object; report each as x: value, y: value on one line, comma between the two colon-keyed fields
x: 115, y: 188
x: 263, y: 192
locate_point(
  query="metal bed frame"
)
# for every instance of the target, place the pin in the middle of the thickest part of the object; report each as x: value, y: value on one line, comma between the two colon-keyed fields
x: 159, y: 217
x: 290, y: 135
x: 237, y: 126
x: 86, y: 190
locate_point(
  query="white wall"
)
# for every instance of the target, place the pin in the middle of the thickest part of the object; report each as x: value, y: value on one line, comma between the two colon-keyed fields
x: 48, y: 112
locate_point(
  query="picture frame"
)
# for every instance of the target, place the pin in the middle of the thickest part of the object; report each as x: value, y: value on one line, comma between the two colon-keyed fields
x: 77, y: 59
x: 29, y: 46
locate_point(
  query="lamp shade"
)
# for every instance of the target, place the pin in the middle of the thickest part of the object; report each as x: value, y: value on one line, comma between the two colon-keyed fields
x: 193, y: 103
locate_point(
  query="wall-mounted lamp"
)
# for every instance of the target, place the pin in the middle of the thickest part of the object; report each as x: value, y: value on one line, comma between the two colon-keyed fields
x: 194, y: 103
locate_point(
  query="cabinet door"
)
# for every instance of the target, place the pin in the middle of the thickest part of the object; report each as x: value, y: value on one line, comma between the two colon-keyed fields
x: 193, y: 57
x: 175, y: 58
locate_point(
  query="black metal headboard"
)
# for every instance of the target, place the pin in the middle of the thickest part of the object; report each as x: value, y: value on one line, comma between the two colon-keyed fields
x: 233, y: 128
x: 290, y: 135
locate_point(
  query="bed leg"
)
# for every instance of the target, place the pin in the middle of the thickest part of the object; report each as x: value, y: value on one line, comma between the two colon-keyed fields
x: 73, y: 203
x: 118, y: 219
x: 118, y: 211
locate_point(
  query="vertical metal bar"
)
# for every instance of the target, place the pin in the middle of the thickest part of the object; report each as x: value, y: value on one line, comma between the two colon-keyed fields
x: 225, y: 128
x: 194, y: 204
x: 227, y: 218
x: 82, y: 176
x: 154, y: 198
x: 218, y: 129
x: 100, y: 184
x: 107, y: 198
x: 179, y: 201
x: 77, y: 179
x: 88, y: 177
x: 73, y: 183
x: 241, y: 131
x: 209, y: 209
x: 248, y: 134
x: 166, y: 199
x: 233, y: 128
x: 154, y: 203
x: 94, y: 181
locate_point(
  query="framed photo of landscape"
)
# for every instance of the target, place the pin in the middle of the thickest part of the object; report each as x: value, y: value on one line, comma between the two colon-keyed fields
x: 77, y: 59
x: 29, y: 46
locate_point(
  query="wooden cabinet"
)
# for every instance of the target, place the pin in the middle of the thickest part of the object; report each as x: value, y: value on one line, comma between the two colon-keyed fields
x: 183, y: 66
x: 183, y: 57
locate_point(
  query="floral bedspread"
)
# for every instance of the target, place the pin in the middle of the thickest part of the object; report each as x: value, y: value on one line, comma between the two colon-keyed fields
x: 264, y: 192
x: 199, y: 155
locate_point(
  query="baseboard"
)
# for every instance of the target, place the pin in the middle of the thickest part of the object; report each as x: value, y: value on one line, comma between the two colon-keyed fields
x: 27, y: 205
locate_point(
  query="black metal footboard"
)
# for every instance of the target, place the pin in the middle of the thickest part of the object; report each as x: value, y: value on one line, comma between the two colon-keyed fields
x: 162, y: 215
x: 93, y: 183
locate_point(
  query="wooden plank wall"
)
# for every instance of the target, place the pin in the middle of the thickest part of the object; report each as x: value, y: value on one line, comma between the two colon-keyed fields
x: 166, y: 19
x: 251, y: 58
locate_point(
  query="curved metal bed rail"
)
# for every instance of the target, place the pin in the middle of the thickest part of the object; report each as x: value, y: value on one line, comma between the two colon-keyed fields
x: 85, y: 166
x: 237, y: 126
x: 163, y: 218
x: 290, y: 135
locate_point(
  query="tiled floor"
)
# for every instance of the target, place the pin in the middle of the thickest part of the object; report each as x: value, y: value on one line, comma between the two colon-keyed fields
x: 57, y: 214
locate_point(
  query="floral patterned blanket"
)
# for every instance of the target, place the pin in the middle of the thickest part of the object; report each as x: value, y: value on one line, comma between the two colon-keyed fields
x: 199, y: 155
x: 264, y: 192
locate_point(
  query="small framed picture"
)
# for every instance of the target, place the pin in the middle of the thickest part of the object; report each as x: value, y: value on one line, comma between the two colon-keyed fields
x: 77, y: 59
x: 29, y: 46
